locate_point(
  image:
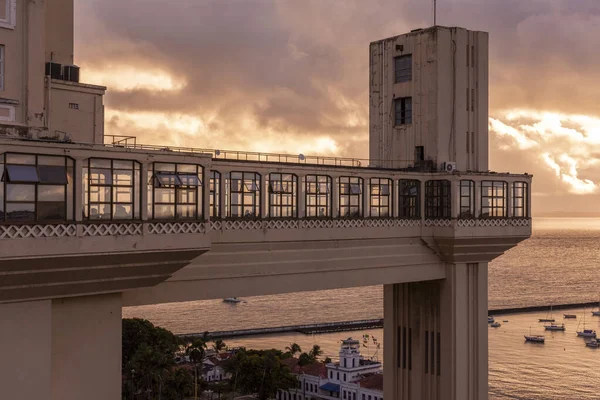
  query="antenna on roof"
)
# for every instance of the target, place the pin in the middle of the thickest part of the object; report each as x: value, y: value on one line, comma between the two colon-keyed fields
x: 434, y: 13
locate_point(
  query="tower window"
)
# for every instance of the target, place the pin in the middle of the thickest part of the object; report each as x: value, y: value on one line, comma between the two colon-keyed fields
x: 403, y: 68
x: 403, y: 110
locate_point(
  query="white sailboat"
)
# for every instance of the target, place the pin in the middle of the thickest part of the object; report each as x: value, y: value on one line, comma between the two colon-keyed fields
x: 534, y: 338
x: 547, y: 319
x: 590, y: 333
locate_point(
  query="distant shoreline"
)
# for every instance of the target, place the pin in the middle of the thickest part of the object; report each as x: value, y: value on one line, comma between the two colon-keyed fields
x: 345, y: 326
x: 567, y: 215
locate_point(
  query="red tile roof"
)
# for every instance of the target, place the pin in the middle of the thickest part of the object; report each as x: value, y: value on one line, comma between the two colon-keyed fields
x: 315, y: 369
x: 371, y: 381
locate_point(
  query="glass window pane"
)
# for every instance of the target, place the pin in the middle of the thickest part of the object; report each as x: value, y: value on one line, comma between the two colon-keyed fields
x: 122, y: 211
x: 164, y: 195
x: 164, y: 211
x: 20, y: 192
x: 164, y: 167
x: 166, y: 179
x: 186, y: 196
x: 99, y: 163
x: 51, y: 193
x: 186, y: 211
x: 99, y: 194
x: 50, y: 160
x: 121, y: 164
x: 123, y: 194
x: 22, y: 173
x: 189, y: 180
x: 187, y: 168
x: 51, y: 210
x: 53, y: 174
x: 20, y: 159
x: 123, y: 177
x: 20, y: 211
x: 100, y: 211
x: 100, y: 176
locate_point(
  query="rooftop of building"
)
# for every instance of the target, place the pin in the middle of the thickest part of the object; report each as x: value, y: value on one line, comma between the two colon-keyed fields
x: 315, y: 369
x: 371, y: 381
x: 419, y: 31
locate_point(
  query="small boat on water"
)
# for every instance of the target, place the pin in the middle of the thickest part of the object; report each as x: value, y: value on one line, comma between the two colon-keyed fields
x: 554, y: 327
x: 590, y: 333
x: 535, y: 338
x: 496, y: 325
x: 593, y: 344
x: 548, y: 318
x: 572, y: 316
x: 490, y: 319
x: 232, y: 300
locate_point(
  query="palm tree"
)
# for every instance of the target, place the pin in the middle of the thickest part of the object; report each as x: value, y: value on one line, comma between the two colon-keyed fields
x: 219, y: 345
x: 196, y: 352
x: 294, y: 348
x: 315, y: 352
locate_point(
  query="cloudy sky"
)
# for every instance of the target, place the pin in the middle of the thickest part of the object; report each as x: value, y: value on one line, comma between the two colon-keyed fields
x: 291, y: 76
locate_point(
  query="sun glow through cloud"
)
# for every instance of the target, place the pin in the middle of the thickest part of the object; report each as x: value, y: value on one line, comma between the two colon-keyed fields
x: 127, y: 77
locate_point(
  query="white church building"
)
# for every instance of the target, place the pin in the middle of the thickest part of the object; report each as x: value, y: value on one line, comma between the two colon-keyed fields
x: 352, y: 378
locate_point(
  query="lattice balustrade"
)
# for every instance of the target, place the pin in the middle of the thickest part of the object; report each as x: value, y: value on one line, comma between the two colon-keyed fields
x: 175, y: 228
x: 380, y: 223
x: 349, y: 223
x: 37, y: 231
x: 112, y: 229
x: 282, y: 224
x: 438, y: 222
x: 318, y: 223
x: 490, y: 222
x: 520, y: 222
x: 409, y: 223
x: 215, y: 225
x: 466, y: 223
x: 237, y: 225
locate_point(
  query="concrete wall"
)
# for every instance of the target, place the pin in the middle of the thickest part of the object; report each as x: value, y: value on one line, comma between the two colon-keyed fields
x: 59, y: 31
x: 440, y: 80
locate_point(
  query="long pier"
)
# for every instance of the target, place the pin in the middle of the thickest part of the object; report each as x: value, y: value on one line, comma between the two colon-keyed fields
x: 328, y: 327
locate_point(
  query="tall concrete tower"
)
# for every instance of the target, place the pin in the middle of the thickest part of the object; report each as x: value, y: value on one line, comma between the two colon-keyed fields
x: 428, y: 100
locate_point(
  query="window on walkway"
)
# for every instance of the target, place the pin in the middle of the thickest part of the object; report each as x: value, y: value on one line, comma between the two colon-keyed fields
x: 318, y: 196
x: 215, y: 194
x: 381, y: 197
x: 438, y: 199
x: 467, y: 199
x: 175, y: 191
x: 520, y: 206
x: 244, y: 195
x: 283, y: 194
x: 409, y: 199
x: 351, y: 197
x: 111, y: 189
x: 494, y: 202
x: 36, y: 188
x: 403, y: 111
x: 403, y: 68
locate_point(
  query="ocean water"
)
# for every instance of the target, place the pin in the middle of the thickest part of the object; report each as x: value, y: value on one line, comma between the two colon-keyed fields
x: 560, y: 264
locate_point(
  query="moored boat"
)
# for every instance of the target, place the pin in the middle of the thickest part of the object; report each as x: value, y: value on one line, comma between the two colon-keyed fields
x: 232, y: 300
x: 496, y: 325
x: 585, y: 332
x: 593, y: 344
x: 548, y: 318
x: 535, y: 338
x: 571, y: 316
x: 554, y: 327
x: 490, y: 319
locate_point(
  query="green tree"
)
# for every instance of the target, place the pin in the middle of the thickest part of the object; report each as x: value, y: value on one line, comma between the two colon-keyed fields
x: 148, y: 354
x: 293, y: 349
x: 196, y: 350
x: 260, y: 374
x: 219, y: 345
x: 178, y: 385
x: 315, y: 352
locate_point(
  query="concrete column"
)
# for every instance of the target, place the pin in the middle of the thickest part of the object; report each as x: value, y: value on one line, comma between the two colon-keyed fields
x: 223, y: 195
x: 86, y: 348
x: 455, y: 198
x: 422, y: 199
x: 145, y: 199
x: 264, y: 196
x: 395, y: 191
x: 78, y: 188
x: 477, y: 199
x: 366, y: 192
x: 25, y: 350
x: 509, y: 199
x: 64, y: 349
x: 464, y: 340
x: 206, y: 193
x: 335, y: 201
x: 528, y: 199
x: 301, y: 188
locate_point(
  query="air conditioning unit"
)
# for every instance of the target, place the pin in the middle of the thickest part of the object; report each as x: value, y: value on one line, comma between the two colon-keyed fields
x: 448, y: 166
x: 54, y: 70
x: 71, y: 73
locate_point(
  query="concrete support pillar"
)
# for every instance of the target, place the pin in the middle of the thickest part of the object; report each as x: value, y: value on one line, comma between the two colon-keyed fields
x: 464, y: 344
x: 509, y: 199
x: 264, y: 197
x: 144, y: 183
x: 206, y: 174
x: 422, y: 200
x: 455, y: 198
x: 301, y: 189
x: 477, y: 199
x: 395, y: 198
x: 223, y: 201
x: 366, y: 197
x: 63, y: 349
x: 335, y: 212
x: 435, y: 336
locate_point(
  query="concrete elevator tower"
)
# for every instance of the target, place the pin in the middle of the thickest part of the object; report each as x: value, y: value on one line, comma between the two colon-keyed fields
x: 428, y: 104
x: 428, y: 99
